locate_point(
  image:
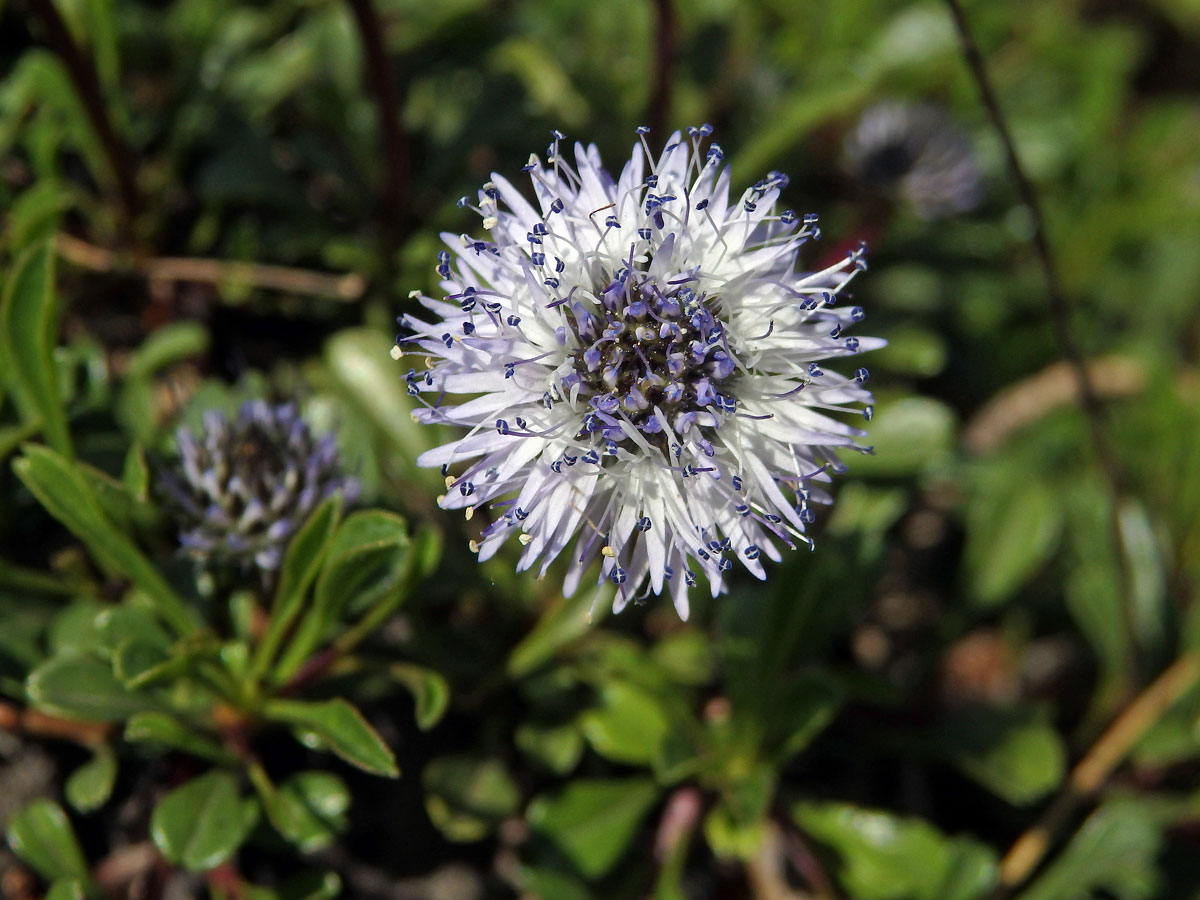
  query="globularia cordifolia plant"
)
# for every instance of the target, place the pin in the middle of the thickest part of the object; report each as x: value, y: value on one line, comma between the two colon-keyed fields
x: 645, y: 361
x: 917, y: 153
x: 242, y: 488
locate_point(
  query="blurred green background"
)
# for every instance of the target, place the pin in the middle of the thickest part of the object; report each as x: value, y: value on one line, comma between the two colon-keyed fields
x: 240, y: 197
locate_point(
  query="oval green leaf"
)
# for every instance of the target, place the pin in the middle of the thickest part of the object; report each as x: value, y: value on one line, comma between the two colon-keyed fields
x: 343, y: 728
x: 90, y: 786
x: 309, y: 809
x: 467, y: 796
x: 593, y: 821
x: 82, y: 687
x: 200, y: 824
x: 628, y: 725
x: 430, y: 691
x: 28, y: 336
x: 886, y: 857
x: 42, y: 835
x: 160, y: 728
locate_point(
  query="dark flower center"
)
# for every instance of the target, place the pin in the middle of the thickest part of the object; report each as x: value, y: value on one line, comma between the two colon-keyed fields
x: 650, y: 350
x: 889, y: 163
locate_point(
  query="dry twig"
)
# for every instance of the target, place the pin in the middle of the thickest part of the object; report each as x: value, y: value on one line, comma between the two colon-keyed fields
x: 218, y: 272
x: 1031, y: 399
x: 38, y: 724
x: 1091, y: 772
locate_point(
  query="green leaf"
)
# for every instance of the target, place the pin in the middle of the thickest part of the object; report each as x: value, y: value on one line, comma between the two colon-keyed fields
x: 548, y: 882
x: 885, y: 857
x: 545, y: 82
x: 66, y: 889
x: 306, y: 885
x: 22, y: 639
x: 76, y: 628
x: 202, y: 823
x: 359, y: 362
x: 138, y: 663
x: 161, y: 728
x: 1149, y: 609
x: 910, y: 435
x: 306, y: 553
x: 12, y: 436
x: 42, y: 835
x: 309, y: 809
x: 629, y: 725
x: 79, y: 686
x: 731, y: 836
x: 1016, y: 756
x: 120, y: 624
x: 1012, y: 529
x: 467, y: 796
x: 167, y: 345
x: 301, y: 563
x: 311, y: 885
x: 685, y: 656
x: 791, y: 122
x: 1114, y: 854
x: 94, y: 25
x: 68, y: 497
x: 736, y: 825
x: 1096, y: 598
x: 365, y: 560
x: 747, y: 794
x: 567, y: 620
x: 558, y: 748
x: 90, y: 786
x: 911, y: 350
x: 34, y: 214
x: 367, y: 565
x: 135, y: 475
x: 805, y: 706
x: 429, y: 690
x: 342, y: 728
x: 118, y: 505
x: 28, y: 337
x: 593, y: 821
x: 761, y: 639
x: 142, y: 664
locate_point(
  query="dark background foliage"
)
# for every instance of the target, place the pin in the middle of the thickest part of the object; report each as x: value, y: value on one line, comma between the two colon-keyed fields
x: 206, y: 201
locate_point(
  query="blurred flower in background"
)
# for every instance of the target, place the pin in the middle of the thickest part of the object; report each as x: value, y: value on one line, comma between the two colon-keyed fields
x: 917, y: 153
x: 649, y: 364
x: 242, y: 488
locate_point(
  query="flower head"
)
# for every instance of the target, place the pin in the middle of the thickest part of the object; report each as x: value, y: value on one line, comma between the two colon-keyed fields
x: 241, y: 489
x: 647, y: 365
x: 917, y: 152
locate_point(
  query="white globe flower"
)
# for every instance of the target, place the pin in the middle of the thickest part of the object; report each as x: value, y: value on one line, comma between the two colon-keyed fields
x: 645, y: 365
